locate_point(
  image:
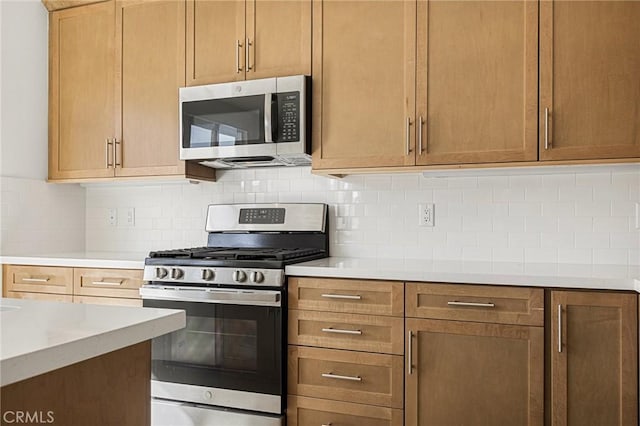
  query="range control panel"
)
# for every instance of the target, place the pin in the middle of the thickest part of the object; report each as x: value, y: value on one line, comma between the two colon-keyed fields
x: 262, y: 216
x: 288, y: 117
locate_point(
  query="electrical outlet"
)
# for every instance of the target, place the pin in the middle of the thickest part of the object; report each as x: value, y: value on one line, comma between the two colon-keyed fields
x: 130, y: 217
x: 112, y: 217
x: 426, y: 214
x: 637, y: 215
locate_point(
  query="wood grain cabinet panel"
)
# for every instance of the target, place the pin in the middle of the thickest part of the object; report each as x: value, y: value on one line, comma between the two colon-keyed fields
x: 39, y: 296
x: 303, y: 411
x: 589, y: 79
x: 461, y: 373
x: 350, y: 296
x: 367, y: 333
x: 349, y: 376
x: 124, y: 283
x: 477, y: 81
x: 507, y: 305
x: 38, y: 279
x: 594, y: 358
x: 119, y: 301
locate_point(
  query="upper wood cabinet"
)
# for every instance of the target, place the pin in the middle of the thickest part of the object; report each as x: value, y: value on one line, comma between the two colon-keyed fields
x: 477, y: 75
x: 589, y: 79
x: 81, y: 91
x: 115, y: 70
x: 594, y: 358
x: 247, y: 39
x: 363, y: 83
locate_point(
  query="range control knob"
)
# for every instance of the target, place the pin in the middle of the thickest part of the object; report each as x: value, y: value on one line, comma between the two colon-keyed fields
x: 256, y: 276
x: 239, y: 276
x: 161, y: 273
x: 208, y: 274
x: 176, y: 273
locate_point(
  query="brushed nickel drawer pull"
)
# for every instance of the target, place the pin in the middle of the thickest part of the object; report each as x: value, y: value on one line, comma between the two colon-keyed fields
x: 546, y: 129
x: 238, y: 47
x: 410, y: 352
x: 326, y: 424
x: 341, y: 331
x: 476, y: 304
x: 342, y: 296
x: 118, y: 282
x: 36, y: 280
x: 559, y: 328
x: 339, y: 377
x: 109, y: 144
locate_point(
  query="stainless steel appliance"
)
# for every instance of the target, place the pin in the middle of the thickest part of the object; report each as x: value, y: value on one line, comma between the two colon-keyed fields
x: 227, y: 366
x: 249, y: 123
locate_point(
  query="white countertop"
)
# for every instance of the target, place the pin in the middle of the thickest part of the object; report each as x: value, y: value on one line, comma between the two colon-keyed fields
x: 120, y: 260
x: 40, y: 336
x: 602, y: 277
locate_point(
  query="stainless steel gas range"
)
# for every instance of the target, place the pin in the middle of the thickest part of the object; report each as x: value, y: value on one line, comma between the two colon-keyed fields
x: 227, y: 366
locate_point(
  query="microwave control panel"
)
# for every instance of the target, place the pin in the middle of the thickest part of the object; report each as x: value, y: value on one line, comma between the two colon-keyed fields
x: 288, y: 117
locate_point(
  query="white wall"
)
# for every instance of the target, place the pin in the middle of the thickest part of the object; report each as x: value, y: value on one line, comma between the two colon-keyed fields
x: 35, y: 216
x: 567, y: 218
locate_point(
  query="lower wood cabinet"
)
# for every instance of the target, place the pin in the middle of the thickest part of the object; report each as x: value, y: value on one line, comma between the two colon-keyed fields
x: 40, y: 296
x: 594, y: 358
x: 91, y: 300
x: 303, y: 411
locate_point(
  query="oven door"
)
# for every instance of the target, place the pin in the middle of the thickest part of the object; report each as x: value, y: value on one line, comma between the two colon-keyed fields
x: 230, y: 352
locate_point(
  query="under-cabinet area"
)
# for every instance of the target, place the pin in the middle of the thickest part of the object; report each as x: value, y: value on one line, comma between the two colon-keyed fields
x: 100, y: 286
x: 420, y: 353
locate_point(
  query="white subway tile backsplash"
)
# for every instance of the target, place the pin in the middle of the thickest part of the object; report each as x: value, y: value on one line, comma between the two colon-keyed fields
x: 571, y: 217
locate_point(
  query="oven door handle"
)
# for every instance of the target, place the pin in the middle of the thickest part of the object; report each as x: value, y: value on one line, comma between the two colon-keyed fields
x: 207, y: 295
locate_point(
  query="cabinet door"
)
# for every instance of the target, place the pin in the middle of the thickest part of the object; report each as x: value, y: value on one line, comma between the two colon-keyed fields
x: 594, y: 359
x: 81, y: 91
x: 477, y: 81
x: 459, y: 372
x: 589, y: 79
x: 278, y: 39
x: 40, y: 296
x: 363, y: 83
x: 215, y: 41
x: 150, y: 60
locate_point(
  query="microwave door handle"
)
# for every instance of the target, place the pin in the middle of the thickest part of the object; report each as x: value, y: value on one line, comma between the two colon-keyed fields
x: 268, y: 128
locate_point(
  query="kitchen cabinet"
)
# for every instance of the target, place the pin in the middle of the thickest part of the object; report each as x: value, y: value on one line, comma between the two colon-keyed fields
x: 589, y: 80
x: 247, y: 39
x: 481, y: 365
x: 113, y: 92
x: 468, y: 96
x: 79, y: 285
x: 594, y: 358
x: 345, y: 351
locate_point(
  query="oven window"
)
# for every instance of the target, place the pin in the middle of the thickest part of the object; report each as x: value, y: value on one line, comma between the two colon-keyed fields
x: 223, y: 122
x: 223, y: 346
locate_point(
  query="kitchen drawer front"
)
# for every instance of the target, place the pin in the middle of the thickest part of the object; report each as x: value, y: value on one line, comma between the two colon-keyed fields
x: 367, y: 333
x: 107, y: 282
x: 481, y: 303
x: 303, y: 411
x: 359, y: 377
x: 40, y: 296
x: 39, y: 279
x: 349, y: 296
x: 118, y: 301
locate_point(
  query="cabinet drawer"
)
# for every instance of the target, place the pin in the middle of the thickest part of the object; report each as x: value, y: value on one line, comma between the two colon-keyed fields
x: 39, y: 279
x: 505, y: 305
x: 364, y: 378
x: 40, y: 296
x: 351, y: 296
x: 367, y: 333
x: 119, y: 301
x: 302, y: 411
x: 107, y: 282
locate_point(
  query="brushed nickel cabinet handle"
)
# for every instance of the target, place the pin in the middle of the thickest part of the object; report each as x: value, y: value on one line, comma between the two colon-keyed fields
x: 559, y: 328
x: 342, y: 296
x: 340, y: 377
x: 420, y: 123
x: 36, y: 280
x: 248, y: 48
x: 408, y: 136
x: 108, y: 143
x: 476, y: 304
x: 410, y: 352
x: 238, y: 47
x: 117, y: 143
x: 113, y: 283
x: 546, y: 129
x: 326, y: 424
x: 341, y: 331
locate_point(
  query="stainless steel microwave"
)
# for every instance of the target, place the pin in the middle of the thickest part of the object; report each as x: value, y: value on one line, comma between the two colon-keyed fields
x: 249, y: 123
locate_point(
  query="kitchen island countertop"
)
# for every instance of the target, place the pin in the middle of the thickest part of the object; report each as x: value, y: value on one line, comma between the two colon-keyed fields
x: 553, y: 275
x: 41, y: 336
